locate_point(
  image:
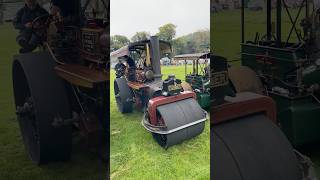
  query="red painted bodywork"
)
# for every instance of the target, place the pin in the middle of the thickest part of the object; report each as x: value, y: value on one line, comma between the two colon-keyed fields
x: 161, y: 100
x: 243, y: 106
x: 265, y: 59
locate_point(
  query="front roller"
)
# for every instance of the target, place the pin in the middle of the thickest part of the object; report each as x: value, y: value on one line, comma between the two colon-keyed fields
x: 171, y: 120
x: 40, y: 99
x: 252, y: 148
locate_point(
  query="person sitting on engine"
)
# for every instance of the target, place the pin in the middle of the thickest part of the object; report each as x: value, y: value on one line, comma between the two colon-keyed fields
x: 23, y: 22
x: 131, y: 68
x: 120, y: 69
x: 69, y: 11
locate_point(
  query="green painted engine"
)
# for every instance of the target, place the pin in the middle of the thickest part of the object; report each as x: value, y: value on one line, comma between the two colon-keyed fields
x: 289, y: 72
x: 292, y: 80
x: 201, y: 85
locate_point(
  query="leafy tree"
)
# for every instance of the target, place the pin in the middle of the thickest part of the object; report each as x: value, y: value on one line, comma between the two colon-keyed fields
x: 139, y: 36
x: 202, y: 40
x: 167, y: 32
x: 192, y: 43
x: 179, y: 45
x: 191, y: 47
x: 118, y: 41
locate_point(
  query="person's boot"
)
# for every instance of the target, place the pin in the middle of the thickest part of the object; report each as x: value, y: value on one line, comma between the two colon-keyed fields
x: 32, y: 47
x: 23, y: 50
x: 28, y: 48
x: 23, y: 43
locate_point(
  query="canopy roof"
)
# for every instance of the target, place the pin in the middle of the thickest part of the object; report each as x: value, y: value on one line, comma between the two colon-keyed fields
x: 125, y: 50
x: 194, y: 56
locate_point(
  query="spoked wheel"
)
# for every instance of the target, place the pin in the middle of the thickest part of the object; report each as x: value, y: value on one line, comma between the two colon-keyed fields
x: 123, y: 95
x: 41, y: 102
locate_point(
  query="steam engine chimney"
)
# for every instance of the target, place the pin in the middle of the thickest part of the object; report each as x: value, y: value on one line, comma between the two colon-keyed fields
x: 155, y: 57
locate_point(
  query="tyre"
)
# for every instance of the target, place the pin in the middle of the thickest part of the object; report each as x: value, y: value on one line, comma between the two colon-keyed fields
x: 40, y: 100
x: 123, y: 95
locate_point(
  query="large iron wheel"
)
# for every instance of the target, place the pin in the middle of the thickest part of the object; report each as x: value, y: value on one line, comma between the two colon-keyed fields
x: 123, y: 95
x: 171, y: 117
x: 41, y: 100
x: 252, y: 147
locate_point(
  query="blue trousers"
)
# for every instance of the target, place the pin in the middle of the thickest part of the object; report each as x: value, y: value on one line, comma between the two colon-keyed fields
x: 28, y: 40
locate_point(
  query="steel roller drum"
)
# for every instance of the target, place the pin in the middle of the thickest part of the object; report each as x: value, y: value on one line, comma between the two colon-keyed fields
x: 34, y: 76
x: 252, y: 148
x: 184, y: 120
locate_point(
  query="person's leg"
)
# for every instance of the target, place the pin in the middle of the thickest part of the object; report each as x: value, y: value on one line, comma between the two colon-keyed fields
x: 31, y: 45
x: 34, y: 42
x: 23, y: 38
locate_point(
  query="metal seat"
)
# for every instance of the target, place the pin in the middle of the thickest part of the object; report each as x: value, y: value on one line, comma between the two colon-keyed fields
x: 81, y: 75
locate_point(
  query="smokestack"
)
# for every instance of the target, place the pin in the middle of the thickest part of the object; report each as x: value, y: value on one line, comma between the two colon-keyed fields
x: 155, y: 57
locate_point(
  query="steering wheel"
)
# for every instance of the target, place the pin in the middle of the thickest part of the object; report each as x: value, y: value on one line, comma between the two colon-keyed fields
x: 40, y: 24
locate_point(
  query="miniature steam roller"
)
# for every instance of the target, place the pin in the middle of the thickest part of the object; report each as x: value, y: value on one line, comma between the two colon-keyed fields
x: 198, y: 79
x: 171, y: 114
x: 285, y: 67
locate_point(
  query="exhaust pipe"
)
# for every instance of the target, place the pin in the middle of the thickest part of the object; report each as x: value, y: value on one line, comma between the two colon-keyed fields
x: 155, y: 57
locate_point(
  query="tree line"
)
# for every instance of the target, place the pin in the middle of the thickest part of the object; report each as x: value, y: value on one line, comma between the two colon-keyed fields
x: 195, y: 42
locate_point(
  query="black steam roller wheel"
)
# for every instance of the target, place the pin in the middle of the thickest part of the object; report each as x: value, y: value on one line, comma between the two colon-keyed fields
x: 123, y: 95
x: 182, y: 120
x: 251, y: 148
x: 40, y: 100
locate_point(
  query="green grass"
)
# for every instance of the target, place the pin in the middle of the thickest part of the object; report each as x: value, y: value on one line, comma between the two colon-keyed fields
x: 14, y: 161
x: 136, y: 155
x: 226, y: 38
x: 226, y: 30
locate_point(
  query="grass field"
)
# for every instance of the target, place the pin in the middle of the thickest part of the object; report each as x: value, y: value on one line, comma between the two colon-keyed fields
x: 226, y: 38
x: 226, y: 30
x: 14, y: 161
x: 135, y: 154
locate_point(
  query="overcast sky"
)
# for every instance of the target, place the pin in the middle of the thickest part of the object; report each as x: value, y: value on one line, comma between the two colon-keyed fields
x: 130, y: 16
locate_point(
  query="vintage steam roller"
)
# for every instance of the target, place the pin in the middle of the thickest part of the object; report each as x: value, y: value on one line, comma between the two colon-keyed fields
x: 171, y: 114
x: 247, y: 143
x: 286, y: 69
x: 198, y: 79
x: 61, y: 90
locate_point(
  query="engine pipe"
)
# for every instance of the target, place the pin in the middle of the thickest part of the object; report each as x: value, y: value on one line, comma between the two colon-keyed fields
x: 155, y: 57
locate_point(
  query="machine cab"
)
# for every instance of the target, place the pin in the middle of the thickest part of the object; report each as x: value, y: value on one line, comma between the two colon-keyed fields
x: 140, y: 61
